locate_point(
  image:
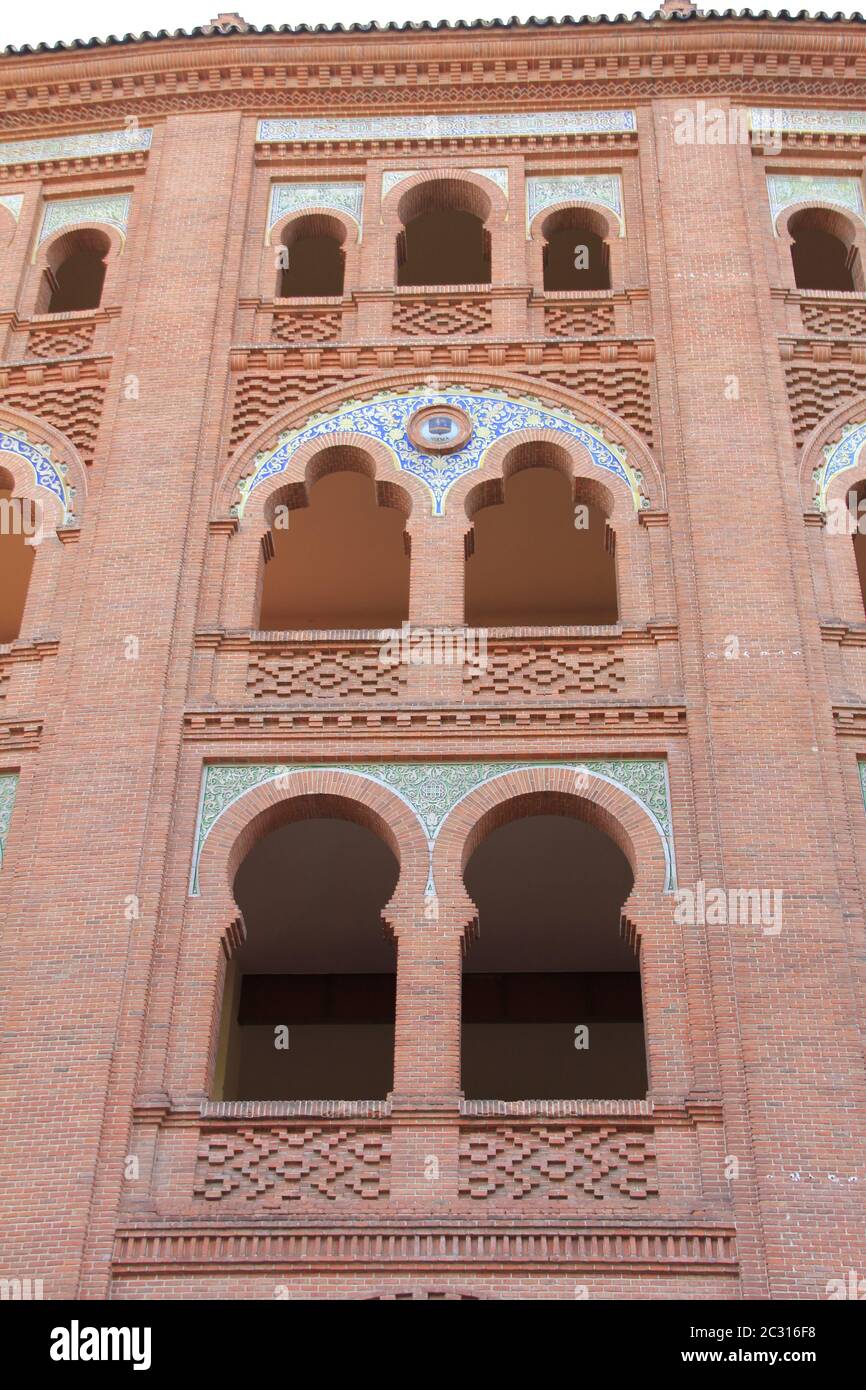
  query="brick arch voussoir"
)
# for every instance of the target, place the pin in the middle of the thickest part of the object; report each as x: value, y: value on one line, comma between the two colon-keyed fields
x: 829, y: 431
x: 304, y: 795
x: 478, y: 489
x: 116, y: 239
x: 63, y: 451
x: 557, y: 790
x: 609, y: 219
x: 351, y: 230
x: 486, y: 187
x: 393, y: 487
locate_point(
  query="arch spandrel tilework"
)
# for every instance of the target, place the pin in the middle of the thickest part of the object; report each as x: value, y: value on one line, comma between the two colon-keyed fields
x: 8, y: 787
x: 48, y: 474
x: 112, y: 209
x: 343, y: 197
x: 785, y: 190
x: 432, y: 790
x: 838, y: 458
x: 494, y: 416
x: 548, y: 191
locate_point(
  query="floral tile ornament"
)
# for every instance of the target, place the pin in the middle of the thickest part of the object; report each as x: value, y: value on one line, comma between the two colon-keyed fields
x: 112, y: 209
x: 48, y: 475
x: 784, y: 190
x: 812, y: 121
x: 838, y: 458
x: 14, y: 202
x: 8, y: 787
x: 493, y: 414
x: 347, y: 198
x: 464, y: 126
x: 604, y: 189
x: 862, y: 765
x: 432, y: 790
x: 391, y: 177
x: 132, y: 139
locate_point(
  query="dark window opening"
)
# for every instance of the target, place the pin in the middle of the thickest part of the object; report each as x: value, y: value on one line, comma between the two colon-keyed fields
x: 860, y: 538
x: 342, y: 561
x: 18, y: 522
x: 313, y: 260
x: 575, y: 256
x: 823, y: 252
x: 539, y: 557
x: 308, y: 1010
x: 444, y: 240
x: 75, y: 273
x: 551, y: 990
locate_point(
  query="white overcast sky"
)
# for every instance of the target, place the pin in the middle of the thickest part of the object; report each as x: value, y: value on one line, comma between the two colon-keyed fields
x: 35, y: 21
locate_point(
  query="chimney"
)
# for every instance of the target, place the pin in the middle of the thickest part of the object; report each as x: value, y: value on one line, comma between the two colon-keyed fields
x: 224, y: 21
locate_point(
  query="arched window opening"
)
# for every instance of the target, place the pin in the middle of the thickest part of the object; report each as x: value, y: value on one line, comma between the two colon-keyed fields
x: 313, y: 260
x: 575, y: 255
x: 551, y: 990
x: 545, y: 555
x: 341, y: 562
x: 444, y: 240
x: 308, y: 1007
x: 859, y: 510
x: 823, y: 251
x: 17, y: 524
x: 74, y: 272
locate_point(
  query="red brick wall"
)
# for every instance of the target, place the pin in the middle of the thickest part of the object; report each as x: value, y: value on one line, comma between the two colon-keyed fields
x: 110, y: 1025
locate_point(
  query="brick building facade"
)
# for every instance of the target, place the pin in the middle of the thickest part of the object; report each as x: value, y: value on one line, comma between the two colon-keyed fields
x: 194, y: 698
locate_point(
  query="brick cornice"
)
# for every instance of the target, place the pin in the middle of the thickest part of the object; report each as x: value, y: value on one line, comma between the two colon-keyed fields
x: 147, y: 1247
x: 434, y: 71
x: 499, y: 721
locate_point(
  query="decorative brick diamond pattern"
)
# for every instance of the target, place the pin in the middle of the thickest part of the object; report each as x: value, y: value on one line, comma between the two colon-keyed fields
x: 562, y: 1164
x: 835, y: 320
x: 578, y: 320
x: 441, y: 317
x: 293, y: 1164
x: 66, y: 340
x: 561, y: 669
x: 308, y: 326
x: 813, y: 391
x: 317, y: 672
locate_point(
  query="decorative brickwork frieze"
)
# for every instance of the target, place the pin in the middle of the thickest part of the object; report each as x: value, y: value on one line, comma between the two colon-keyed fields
x: 62, y: 340
x: 307, y: 325
x: 282, y: 1165
x: 327, y: 671
x: 570, y: 1164
x: 578, y: 320
x: 558, y: 669
x: 441, y: 315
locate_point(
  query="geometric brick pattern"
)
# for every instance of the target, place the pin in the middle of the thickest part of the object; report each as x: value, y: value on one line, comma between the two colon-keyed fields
x: 561, y: 669
x: 292, y: 1164
x: 624, y: 390
x: 315, y: 672
x: 813, y: 391
x: 259, y: 395
x: 441, y: 317
x: 307, y: 326
x: 578, y: 320
x: 65, y: 340
x: 73, y: 410
x: 562, y: 1164
x: 835, y: 320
